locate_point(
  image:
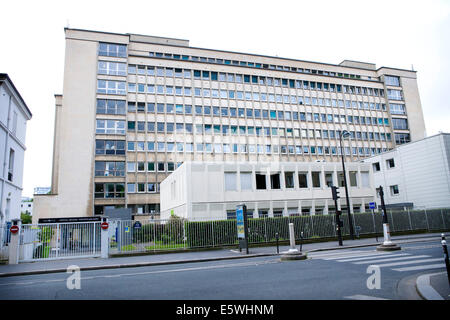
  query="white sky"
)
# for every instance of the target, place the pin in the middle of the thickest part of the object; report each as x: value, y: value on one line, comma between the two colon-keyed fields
x: 392, y: 33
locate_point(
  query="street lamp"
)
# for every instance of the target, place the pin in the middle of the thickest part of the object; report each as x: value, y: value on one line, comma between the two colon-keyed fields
x: 345, y: 134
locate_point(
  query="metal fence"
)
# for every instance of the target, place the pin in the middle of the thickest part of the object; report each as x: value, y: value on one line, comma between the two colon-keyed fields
x: 177, y: 233
x: 59, y: 241
x: 4, y: 240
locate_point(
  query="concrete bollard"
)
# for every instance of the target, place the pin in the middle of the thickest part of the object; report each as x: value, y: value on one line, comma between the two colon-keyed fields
x: 105, y: 241
x: 293, y: 253
x: 14, y: 243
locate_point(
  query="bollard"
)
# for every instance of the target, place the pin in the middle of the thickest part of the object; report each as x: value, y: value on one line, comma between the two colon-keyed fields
x: 14, y: 243
x: 292, y: 253
x: 301, y: 241
x: 277, y: 237
x: 446, y: 259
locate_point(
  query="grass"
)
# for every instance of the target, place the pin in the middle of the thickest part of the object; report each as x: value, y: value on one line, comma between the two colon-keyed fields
x: 159, y: 245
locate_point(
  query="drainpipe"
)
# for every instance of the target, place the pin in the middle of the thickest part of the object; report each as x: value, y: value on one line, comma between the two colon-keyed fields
x: 4, y: 161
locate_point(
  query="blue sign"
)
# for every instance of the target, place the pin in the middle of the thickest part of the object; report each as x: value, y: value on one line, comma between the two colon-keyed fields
x: 137, y: 225
x: 372, y: 205
x: 240, y: 222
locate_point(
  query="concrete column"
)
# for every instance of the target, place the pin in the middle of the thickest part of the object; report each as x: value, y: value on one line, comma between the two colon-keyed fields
x: 14, y: 243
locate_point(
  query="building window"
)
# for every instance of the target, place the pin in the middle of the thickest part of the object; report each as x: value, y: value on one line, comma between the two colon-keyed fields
x: 112, y: 68
x: 394, y: 190
x: 110, y: 168
x: 109, y: 190
x: 111, y: 87
x: 11, y: 165
x: 303, y: 180
x: 110, y: 127
x: 230, y: 181
x: 401, y: 138
x: 260, y: 181
x: 376, y: 166
x: 390, y: 163
x: 289, y: 180
x: 353, y: 180
x: 246, y: 181
x: 392, y: 81
x: 112, y: 50
x: 394, y: 94
x: 397, y: 108
x: 315, y: 179
x: 329, y: 179
x: 275, y: 181
x: 401, y: 124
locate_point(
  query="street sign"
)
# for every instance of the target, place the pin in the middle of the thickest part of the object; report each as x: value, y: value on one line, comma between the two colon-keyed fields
x: 104, y: 225
x: 372, y: 205
x: 14, y: 229
x: 137, y: 225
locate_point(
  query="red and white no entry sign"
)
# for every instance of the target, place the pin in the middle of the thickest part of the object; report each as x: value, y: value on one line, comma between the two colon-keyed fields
x: 104, y: 225
x: 14, y: 229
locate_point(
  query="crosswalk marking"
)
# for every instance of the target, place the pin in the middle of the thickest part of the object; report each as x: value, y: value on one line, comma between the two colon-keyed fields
x: 390, y: 259
x: 425, y: 267
x: 372, y: 257
x: 355, y: 255
x: 363, y: 297
x: 408, y: 262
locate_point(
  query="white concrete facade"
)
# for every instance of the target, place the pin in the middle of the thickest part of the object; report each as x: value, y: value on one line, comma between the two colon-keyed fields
x: 14, y: 115
x: 198, y: 190
x: 416, y: 173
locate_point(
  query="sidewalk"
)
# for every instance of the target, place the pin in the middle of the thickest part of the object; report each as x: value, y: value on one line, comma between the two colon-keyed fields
x: 54, y: 266
x: 433, y: 286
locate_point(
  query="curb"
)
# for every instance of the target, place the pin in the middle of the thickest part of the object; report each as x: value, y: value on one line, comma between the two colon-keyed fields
x: 424, y: 288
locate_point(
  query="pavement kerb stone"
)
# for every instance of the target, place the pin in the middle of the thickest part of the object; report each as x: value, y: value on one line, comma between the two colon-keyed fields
x: 424, y: 288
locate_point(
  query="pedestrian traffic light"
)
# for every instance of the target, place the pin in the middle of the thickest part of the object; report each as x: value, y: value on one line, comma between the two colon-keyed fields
x: 335, y: 192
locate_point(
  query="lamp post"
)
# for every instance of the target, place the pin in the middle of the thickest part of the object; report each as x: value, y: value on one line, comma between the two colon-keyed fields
x: 345, y: 134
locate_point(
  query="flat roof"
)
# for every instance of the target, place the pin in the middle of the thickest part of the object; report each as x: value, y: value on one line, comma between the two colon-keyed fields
x: 250, y: 54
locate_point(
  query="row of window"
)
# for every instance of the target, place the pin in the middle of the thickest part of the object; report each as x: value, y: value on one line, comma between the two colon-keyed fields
x: 248, y: 148
x: 252, y: 65
x: 304, y: 180
x: 245, y: 78
x: 152, y: 166
x: 217, y: 129
x: 251, y: 96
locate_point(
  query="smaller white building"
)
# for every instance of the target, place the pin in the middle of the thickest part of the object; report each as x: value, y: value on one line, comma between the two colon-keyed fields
x: 416, y: 174
x: 212, y: 190
x: 26, y: 206
x: 14, y: 115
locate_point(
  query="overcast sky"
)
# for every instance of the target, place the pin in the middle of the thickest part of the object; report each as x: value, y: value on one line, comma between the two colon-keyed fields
x: 394, y: 33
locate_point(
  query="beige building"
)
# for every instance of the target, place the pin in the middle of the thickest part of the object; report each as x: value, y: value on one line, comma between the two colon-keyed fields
x: 136, y: 107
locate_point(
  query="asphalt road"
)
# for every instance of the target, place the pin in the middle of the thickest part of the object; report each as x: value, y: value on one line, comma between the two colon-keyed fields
x: 327, y: 275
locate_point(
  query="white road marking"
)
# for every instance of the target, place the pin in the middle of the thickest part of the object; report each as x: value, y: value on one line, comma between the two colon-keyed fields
x: 372, y: 257
x: 390, y: 259
x: 425, y: 267
x: 336, y: 256
x: 409, y: 262
x: 363, y: 297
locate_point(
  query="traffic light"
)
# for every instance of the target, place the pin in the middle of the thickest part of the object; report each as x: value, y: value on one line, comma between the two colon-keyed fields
x: 335, y: 192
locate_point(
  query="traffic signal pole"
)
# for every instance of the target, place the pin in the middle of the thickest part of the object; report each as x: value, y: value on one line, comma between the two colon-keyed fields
x: 335, y: 193
x: 387, y: 245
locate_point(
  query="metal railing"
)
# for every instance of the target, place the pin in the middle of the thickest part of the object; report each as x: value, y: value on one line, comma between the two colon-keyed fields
x: 59, y: 241
x: 176, y: 233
